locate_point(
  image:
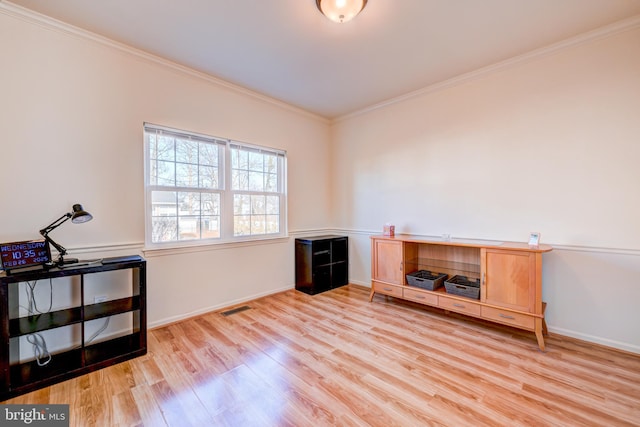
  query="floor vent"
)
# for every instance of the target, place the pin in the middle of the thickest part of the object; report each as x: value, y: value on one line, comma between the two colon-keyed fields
x: 235, y: 310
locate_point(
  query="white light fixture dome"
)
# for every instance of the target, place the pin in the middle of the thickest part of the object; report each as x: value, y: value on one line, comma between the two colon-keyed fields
x: 340, y: 10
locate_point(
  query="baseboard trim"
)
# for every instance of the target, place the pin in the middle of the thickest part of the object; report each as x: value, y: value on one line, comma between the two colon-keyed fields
x: 181, y: 317
x: 592, y: 339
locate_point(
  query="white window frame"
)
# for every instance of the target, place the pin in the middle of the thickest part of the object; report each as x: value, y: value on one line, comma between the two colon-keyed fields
x: 225, y: 190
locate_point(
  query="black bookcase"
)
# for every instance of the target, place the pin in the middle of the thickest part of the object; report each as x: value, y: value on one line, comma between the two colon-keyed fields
x: 322, y: 263
x: 18, y: 377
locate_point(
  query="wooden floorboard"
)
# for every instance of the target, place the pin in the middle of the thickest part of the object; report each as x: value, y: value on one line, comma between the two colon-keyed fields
x: 336, y: 359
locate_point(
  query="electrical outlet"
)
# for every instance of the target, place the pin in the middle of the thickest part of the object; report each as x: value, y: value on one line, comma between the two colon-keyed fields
x: 100, y: 298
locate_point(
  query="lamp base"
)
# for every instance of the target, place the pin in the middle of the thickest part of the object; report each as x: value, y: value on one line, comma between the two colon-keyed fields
x: 64, y: 261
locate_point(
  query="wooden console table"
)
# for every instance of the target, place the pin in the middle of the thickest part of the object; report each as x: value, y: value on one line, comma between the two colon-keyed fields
x: 510, y: 276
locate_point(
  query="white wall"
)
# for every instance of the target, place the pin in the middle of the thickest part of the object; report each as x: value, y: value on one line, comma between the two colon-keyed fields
x: 549, y: 144
x: 71, y: 119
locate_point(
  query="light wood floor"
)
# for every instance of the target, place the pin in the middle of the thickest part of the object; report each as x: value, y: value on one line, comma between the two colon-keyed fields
x: 336, y: 359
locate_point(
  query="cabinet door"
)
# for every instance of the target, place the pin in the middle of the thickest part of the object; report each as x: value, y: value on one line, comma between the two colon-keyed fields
x: 387, y: 261
x: 509, y: 279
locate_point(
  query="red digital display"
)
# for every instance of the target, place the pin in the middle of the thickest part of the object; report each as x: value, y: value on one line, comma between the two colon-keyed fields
x: 24, y: 254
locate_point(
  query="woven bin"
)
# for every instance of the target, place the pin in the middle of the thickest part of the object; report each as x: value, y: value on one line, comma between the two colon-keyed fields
x: 426, y: 279
x: 463, y: 286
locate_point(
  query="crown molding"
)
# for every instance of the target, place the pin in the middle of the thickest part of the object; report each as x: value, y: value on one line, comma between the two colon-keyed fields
x: 47, y: 22
x: 590, y: 36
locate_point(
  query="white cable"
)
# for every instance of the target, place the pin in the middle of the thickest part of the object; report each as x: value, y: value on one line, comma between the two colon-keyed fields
x: 99, y: 331
x: 40, y: 351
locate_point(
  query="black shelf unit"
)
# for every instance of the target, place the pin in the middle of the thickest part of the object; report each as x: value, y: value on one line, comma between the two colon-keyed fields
x: 18, y: 377
x: 322, y: 263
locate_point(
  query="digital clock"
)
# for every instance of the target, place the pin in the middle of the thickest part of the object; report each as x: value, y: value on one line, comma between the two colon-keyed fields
x: 16, y: 255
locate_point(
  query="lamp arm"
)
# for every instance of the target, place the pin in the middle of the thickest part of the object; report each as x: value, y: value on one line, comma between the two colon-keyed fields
x: 49, y: 228
x: 55, y: 224
x: 62, y: 251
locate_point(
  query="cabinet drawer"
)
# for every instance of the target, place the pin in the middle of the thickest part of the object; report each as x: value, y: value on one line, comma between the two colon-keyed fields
x: 420, y: 296
x: 459, y: 306
x: 384, y: 288
x: 509, y: 318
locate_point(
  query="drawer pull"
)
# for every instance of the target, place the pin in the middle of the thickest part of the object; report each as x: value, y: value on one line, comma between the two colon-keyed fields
x: 418, y: 296
x: 458, y: 305
x: 387, y: 289
x: 504, y: 316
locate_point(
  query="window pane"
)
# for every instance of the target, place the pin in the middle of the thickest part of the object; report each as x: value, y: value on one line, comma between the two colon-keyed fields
x: 239, y: 180
x: 257, y: 224
x: 208, y: 177
x: 256, y: 161
x: 165, y: 148
x: 186, y: 151
x: 153, y: 172
x: 270, y: 164
x: 273, y: 224
x: 257, y: 205
x: 210, y: 204
x: 189, y: 227
x: 164, y: 203
x: 241, y: 225
x: 210, y: 227
x: 209, y: 154
x: 188, y: 203
x: 271, y: 182
x: 164, y: 229
x: 241, y: 204
x: 166, y: 173
x: 256, y: 182
x: 186, y: 175
x: 239, y: 159
x: 273, y: 205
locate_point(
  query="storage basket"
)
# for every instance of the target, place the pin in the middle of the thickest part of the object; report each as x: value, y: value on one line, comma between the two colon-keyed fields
x: 426, y: 279
x: 463, y: 286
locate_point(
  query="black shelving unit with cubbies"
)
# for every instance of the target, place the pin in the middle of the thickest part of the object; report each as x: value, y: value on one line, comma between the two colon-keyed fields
x: 18, y: 376
x: 322, y: 263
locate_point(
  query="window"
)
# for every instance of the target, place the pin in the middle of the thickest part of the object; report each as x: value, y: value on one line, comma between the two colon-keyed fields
x: 202, y: 189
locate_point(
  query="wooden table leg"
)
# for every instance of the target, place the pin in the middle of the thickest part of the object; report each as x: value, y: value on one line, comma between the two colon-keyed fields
x: 539, y: 331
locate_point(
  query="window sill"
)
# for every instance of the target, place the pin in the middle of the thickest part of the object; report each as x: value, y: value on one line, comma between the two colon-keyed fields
x: 204, y: 247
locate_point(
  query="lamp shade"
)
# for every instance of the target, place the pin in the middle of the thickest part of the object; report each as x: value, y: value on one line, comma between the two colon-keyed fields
x: 340, y: 10
x: 79, y: 215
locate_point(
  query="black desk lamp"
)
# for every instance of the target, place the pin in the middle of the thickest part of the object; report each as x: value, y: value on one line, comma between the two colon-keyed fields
x: 78, y: 216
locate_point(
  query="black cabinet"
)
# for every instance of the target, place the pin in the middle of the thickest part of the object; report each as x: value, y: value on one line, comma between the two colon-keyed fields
x: 19, y: 376
x: 322, y: 263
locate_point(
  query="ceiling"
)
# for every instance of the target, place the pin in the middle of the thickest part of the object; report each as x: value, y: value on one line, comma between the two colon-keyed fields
x: 287, y: 50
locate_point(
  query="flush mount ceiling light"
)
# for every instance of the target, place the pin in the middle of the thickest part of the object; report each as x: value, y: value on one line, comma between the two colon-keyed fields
x: 340, y: 10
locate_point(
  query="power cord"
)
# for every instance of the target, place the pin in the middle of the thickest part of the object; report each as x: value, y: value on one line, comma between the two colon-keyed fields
x: 40, y: 351
x: 98, y: 332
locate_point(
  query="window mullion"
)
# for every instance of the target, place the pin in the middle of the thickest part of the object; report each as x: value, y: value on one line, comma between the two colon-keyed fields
x: 228, y: 193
